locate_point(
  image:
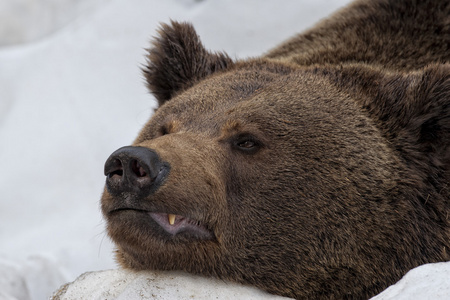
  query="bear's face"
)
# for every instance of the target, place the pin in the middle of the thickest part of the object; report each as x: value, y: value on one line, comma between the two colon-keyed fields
x: 265, y: 174
x: 262, y: 179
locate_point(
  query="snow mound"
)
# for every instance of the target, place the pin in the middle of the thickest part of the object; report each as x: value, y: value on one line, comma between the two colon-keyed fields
x: 129, y: 285
x: 431, y: 281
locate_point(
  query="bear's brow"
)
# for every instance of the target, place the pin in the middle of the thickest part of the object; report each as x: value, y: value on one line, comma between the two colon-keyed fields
x: 230, y: 127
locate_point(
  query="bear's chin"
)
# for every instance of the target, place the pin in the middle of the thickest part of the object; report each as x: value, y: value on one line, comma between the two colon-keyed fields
x: 142, y: 244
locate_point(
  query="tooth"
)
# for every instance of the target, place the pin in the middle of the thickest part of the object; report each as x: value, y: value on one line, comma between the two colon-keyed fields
x: 171, y: 219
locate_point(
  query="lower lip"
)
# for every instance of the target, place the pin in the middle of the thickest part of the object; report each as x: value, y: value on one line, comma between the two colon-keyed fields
x: 181, y: 225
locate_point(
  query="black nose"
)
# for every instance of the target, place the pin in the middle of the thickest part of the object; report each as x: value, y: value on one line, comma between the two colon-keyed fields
x: 135, y: 170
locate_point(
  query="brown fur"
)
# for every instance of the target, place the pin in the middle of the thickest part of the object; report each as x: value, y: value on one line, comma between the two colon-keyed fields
x: 321, y: 169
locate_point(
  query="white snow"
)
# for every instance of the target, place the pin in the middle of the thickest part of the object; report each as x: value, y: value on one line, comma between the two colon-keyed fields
x: 429, y: 281
x: 71, y: 92
x: 26, y: 20
x: 426, y: 282
x: 127, y: 285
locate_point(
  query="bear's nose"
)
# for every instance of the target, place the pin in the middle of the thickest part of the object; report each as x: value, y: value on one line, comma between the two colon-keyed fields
x: 136, y: 170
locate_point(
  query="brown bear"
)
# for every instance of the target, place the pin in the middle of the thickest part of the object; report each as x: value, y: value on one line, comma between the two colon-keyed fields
x: 319, y: 170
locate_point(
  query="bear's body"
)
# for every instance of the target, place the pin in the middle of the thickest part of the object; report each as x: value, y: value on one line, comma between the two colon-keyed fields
x: 320, y: 170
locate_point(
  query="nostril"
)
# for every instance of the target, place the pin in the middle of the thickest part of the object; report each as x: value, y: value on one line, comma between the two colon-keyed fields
x: 117, y: 172
x: 137, y: 169
x: 114, y: 168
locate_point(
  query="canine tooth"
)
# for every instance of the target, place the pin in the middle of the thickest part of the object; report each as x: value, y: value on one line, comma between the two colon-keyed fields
x: 171, y: 219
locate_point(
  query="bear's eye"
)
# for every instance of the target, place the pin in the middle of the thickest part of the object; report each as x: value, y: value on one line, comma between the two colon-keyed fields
x: 247, y: 144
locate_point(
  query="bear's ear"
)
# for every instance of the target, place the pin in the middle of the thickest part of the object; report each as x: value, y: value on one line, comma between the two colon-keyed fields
x: 413, y: 111
x: 177, y: 60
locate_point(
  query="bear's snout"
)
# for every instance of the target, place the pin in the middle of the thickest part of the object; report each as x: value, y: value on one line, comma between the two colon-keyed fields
x: 135, y: 170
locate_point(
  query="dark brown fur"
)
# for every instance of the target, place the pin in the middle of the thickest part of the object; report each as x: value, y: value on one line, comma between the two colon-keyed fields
x: 345, y: 184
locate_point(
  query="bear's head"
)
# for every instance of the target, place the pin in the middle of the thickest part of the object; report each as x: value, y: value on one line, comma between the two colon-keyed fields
x: 323, y: 181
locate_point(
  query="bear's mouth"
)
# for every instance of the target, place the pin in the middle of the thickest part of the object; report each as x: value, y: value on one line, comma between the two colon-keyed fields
x: 175, y: 224
x: 169, y: 224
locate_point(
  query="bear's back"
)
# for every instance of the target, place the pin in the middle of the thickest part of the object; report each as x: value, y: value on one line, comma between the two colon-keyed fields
x: 398, y: 35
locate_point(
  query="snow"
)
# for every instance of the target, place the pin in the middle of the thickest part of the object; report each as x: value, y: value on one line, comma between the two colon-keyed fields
x: 127, y: 285
x: 25, y: 20
x: 71, y: 92
x: 429, y: 281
